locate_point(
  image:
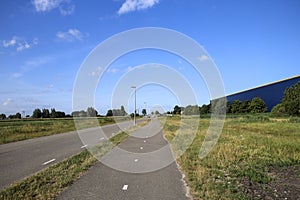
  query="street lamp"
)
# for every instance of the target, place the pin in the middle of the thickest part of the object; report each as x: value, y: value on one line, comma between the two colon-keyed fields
x: 134, y: 115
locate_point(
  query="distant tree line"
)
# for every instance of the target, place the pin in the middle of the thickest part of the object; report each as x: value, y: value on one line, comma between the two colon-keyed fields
x: 15, y: 116
x: 116, y: 112
x: 90, y: 112
x: 256, y: 105
x: 289, y: 106
x: 45, y: 113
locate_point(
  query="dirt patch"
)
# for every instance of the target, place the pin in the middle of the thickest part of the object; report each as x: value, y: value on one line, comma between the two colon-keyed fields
x: 285, y: 184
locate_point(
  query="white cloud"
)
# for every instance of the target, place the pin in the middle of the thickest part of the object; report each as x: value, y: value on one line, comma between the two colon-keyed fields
x: 129, y: 69
x: 33, y: 63
x: 97, y: 72
x: 30, y: 65
x: 70, y: 35
x: 203, y: 58
x: 9, y: 43
x: 64, y: 6
x: 136, y: 67
x: 45, y: 5
x: 7, y: 102
x: 66, y: 10
x: 113, y: 70
x: 132, y: 5
x: 19, y: 43
x: 17, y: 75
x: 22, y: 46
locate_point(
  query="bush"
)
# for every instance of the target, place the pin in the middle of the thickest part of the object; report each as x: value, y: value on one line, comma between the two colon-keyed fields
x: 278, y: 111
x: 291, y: 100
x: 257, y: 105
x: 294, y: 120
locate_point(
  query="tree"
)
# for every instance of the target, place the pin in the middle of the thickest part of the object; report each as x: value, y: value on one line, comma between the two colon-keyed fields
x: 291, y: 99
x: 37, y: 113
x: 18, y: 116
x: 132, y: 115
x: 236, y: 106
x: 75, y: 114
x: 191, y: 110
x: 60, y: 114
x: 257, y: 105
x: 53, y: 113
x: 2, y: 116
x: 91, y: 112
x: 144, y: 111
x: 82, y: 113
x: 245, y: 107
x: 15, y: 116
x: 57, y: 114
x: 228, y: 107
x: 177, y: 110
x: 45, y: 113
x: 278, y: 111
x: 123, y: 112
x: 117, y: 112
x: 109, y: 113
x: 204, y: 109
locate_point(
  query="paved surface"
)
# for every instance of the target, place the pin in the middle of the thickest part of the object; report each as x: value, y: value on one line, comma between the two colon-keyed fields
x: 21, y: 159
x: 103, y: 182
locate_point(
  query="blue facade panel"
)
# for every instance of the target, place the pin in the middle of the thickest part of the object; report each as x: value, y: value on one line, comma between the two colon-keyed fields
x: 271, y: 93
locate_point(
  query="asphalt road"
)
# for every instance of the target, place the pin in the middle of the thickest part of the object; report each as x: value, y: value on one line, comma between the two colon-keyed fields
x: 24, y: 158
x: 133, y: 171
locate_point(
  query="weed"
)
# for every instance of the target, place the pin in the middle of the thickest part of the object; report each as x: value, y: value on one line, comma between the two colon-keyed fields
x: 248, y: 145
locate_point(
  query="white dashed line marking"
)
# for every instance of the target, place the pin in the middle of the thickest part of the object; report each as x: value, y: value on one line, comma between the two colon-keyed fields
x: 102, y: 138
x: 49, y: 161
x: 141, y: 147
x: 125, y: 187
x: 83, y: 146
x: 135, y: 160
x: 144, y: 140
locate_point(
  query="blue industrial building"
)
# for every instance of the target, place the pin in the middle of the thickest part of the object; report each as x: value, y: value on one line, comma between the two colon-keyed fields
x: 271, y: 93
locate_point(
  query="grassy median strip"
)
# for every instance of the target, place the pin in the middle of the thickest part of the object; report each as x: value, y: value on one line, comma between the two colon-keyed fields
x: 50, y: 182
x: 16, y: 130
x: 246, y: 152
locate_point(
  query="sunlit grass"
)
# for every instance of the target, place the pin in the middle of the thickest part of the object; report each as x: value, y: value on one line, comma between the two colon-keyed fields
x: 244, y: 149
x: 16, y: 130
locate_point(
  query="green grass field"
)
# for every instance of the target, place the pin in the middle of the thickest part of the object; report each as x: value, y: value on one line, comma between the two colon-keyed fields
x: 16, y: 130
x: 247, y: 148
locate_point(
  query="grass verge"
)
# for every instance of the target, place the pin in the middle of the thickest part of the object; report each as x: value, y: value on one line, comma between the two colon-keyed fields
x: 16, y: 130
x: 50, y: 182
x: 245, y: 149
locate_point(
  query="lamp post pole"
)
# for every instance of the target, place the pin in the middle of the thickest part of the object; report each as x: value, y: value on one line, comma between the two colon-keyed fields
x: 134, y: 115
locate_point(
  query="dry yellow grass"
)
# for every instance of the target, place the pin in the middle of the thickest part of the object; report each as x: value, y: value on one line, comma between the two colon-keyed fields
x: 246, y: 148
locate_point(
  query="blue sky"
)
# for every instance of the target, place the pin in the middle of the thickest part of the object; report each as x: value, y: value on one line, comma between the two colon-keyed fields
x: 44, y: 42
